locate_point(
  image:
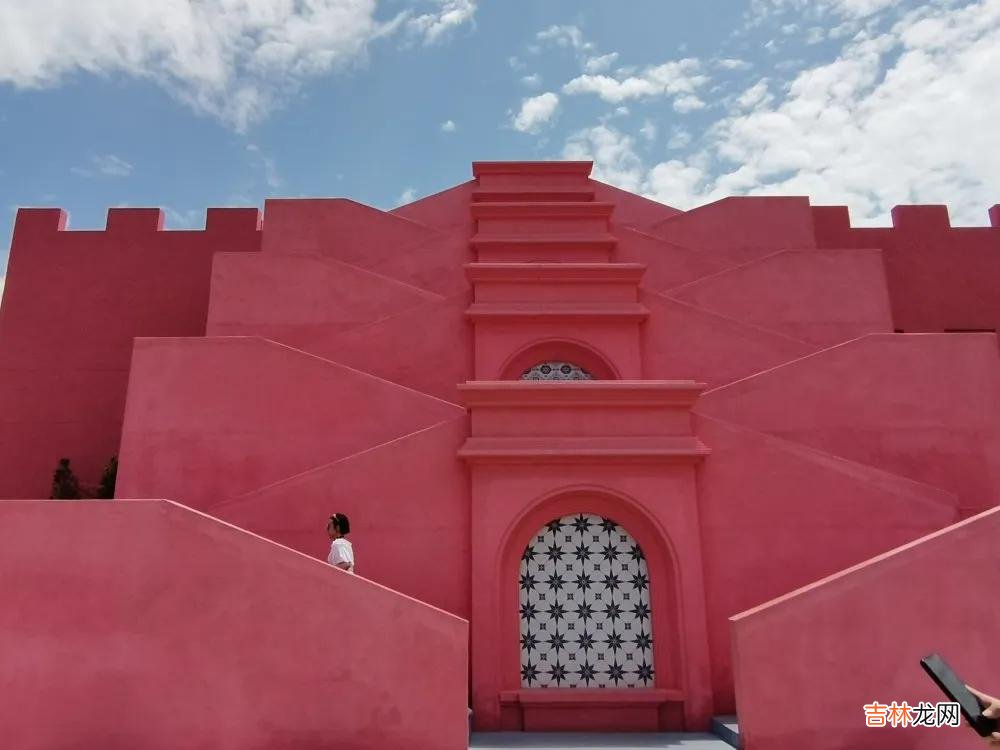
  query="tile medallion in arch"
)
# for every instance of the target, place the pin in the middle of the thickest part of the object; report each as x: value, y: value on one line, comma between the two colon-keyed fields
x: 556, y: 371
x: 584, y: 607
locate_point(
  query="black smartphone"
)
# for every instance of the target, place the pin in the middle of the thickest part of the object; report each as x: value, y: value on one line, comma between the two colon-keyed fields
x: 957, y: 692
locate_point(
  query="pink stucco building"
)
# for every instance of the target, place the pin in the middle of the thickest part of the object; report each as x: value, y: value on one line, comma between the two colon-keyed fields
x: 576, y: 433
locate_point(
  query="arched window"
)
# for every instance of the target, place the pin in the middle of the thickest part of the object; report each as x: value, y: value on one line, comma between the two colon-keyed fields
x: 584, y: 607
x: 556, y: 371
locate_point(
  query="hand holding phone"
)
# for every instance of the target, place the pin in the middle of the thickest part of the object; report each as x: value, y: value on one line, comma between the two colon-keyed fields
x: 979, y: 709
x: 991, y: 710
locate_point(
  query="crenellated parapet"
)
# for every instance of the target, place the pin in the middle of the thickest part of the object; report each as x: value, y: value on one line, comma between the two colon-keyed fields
x: 74, y: 301
x: 940, y: 277
x: 833, y: 220
x: 134, y: 223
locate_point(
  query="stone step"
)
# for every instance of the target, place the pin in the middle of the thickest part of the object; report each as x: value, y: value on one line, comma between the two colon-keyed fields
x: 727, y: 728
x: 533, y: 194
x: 592, y: 741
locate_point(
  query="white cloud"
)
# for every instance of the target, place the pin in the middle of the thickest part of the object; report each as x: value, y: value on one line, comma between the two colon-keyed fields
x: 617, y: 163
x: 535, y: 112
x: 112, y: 165
x: 762, y: 10
x: 688, y: 103
x: 232, y: 59
x: 533, y: 80
x: 448, y: 126
x: 815, y: 35
x: 674, y: 78
x: 674, y: 183
x: 616, y: 112
x: 600, y: 64
x: 756, y: 94
x: 846, y: 29
x: 613, y: 153
x: 648, y: 130
x: 679, y: 139
x: 907, y: 116
x: 794, y: 64
x: 408, y: 196
x: 189, y: 219
x: 271, y: 174
x: 731, y: 63
x: 450, y: 15
x: 108, y: 165
x: 859, y: 8
x: 565, y: 36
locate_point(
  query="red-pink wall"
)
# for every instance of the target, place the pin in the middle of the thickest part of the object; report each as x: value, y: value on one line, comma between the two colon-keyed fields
x: 827, y: 441
x: 209, y: 419
x: 776, y: 515
x: 301, y: 299
x: 347, y: 314
x: 741, y: 229
x: 807, y: 663
x: 512, y: 502
x: 384, y: 243
x: 436, y: 360
x: 924, y: 406
x: 145, y: 624
x: 821, y: 297
x: 408, y: 504
x: 668, y: 264
x: 940, y: 278
x: 681, y: 340
x: 73, y: 302
x: 444, y: 211
x: 632, y: 210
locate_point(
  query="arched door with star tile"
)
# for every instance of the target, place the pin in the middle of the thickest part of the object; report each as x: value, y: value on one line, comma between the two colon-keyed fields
x: 585, y: 618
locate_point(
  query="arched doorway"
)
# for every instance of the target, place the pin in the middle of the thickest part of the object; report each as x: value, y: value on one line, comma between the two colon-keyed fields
x: 585, y: 618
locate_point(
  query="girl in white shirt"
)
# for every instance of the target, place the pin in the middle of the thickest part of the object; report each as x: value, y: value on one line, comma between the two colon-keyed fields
x: 341, y: 552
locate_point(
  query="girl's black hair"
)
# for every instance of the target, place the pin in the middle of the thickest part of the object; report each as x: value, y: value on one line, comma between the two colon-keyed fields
x: 341, y: 522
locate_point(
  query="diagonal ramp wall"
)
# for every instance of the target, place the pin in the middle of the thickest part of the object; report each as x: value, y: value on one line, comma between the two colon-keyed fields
x: 806, y: 663
x: 147, y: 624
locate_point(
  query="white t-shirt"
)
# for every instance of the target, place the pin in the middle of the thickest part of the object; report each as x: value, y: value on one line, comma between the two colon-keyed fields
x: 341, y: 551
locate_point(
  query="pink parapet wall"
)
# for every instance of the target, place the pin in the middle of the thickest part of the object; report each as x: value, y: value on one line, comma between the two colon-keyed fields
x: 144, y: 624
x: 74, y: 301
x: 940, y: 277
x: 805, y: 664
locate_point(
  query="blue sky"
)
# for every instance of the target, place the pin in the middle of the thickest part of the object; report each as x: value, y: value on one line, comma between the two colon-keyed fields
x: 187, y: 105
